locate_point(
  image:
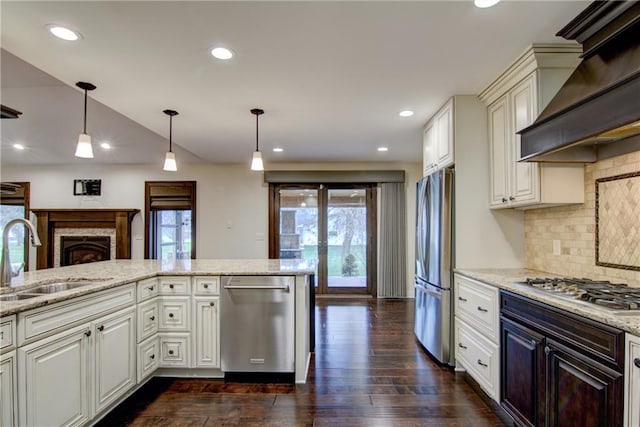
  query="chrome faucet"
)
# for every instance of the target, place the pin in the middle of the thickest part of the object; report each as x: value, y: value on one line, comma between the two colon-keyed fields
x: 5, y: 262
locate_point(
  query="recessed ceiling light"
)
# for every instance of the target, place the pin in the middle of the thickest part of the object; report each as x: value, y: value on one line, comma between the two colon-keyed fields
x: 105, y: 146
x: 485, y: 3
x: 405, y: 113
x: 221, y: 53
x: 278, y: 150
x: 18, y: 146
x: 63, y: 33
x: 382, y: 149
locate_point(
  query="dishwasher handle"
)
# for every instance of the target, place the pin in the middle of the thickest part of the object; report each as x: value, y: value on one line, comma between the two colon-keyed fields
x: 265, y: 287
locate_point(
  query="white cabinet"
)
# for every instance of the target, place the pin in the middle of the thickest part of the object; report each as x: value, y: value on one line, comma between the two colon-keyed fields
x: 514, y: 101
x: 438, y: 137
x: 7, y: 333
x: 148, y: 357
x: 174, y: 314
x: 8, y: 389
x: 632, y: 381
x: 174, y: 350
x: 148, y: 319
x: 477, y: 330
x: 207, y: 332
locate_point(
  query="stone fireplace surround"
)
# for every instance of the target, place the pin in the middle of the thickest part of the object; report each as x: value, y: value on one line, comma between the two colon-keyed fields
x: 54, y: 223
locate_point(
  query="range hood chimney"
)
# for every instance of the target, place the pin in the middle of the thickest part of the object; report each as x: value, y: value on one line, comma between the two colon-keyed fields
x: 596, y: 113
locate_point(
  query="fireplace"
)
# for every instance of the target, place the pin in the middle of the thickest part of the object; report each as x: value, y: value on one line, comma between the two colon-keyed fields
x: 84, y: 249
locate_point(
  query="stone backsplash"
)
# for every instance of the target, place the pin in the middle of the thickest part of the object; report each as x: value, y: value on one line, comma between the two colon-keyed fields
x: 575, y: 227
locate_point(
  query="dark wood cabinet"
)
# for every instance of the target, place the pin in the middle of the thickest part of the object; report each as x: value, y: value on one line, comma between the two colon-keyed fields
x: 558, y: 368
x: 522, y: 376
x: 580, y: 391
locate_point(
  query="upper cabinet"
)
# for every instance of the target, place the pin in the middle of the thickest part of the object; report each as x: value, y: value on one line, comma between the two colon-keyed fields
x: 437, y: 142
x: 514, y: 100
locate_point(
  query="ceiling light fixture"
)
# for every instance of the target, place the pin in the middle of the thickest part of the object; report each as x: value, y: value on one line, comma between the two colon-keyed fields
x: 382, y: 149
x: 18, y: 147
x: 105, y: 146
x: 405, y: 113
x: 170, y: 157
x: 278, y: 150
x: 485, y: 3
x: 63, y: 33
x: 256, y: 161
x: 221, y: 53
x: 84, y: 148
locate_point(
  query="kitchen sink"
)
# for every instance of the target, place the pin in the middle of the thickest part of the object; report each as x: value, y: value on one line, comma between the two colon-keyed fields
x: 58, y: 287
x: 18, y: 297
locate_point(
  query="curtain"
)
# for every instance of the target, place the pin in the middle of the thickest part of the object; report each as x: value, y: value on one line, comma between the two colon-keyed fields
x: 393, y: 259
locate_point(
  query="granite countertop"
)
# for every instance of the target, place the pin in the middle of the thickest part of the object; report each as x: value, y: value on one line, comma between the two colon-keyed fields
x: 110, y: 274
x: 506, y: 278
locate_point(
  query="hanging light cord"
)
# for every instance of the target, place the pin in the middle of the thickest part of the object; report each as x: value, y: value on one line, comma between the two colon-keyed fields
x: 170, y: 131
x: 85, y: 112
x: 257, y: 116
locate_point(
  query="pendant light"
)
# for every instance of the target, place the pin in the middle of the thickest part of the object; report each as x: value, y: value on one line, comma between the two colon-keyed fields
x: 84, y: 149
x: 256, y: 161
x: 170, y: 157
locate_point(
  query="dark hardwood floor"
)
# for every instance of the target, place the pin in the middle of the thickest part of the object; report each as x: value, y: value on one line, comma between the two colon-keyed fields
x: 368, y: 370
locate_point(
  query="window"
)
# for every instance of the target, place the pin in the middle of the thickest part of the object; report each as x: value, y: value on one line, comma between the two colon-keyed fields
x: 170, y: 211
x: 14, y: 203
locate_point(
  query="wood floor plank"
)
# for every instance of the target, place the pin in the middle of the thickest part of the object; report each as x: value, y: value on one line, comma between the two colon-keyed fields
x: 368, y: 370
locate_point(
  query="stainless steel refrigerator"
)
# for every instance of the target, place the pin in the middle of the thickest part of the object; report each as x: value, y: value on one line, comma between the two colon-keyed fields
x: 434, y: 265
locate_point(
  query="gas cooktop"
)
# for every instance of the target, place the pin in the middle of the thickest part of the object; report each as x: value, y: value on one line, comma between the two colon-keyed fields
x: 614, y: 296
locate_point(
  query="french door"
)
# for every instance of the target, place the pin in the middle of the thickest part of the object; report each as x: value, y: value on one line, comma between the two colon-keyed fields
x: 334, y: 224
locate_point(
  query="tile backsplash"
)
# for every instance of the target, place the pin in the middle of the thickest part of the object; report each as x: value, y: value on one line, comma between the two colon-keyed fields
x: 574, y: 226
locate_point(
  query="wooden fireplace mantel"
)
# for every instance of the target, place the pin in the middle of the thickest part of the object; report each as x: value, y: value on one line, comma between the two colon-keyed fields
x: 51, y: 219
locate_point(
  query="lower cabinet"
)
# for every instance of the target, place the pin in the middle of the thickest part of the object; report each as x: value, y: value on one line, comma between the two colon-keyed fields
x: 148, y: 357
x: 58, y: 373
x: 558, y: 368
x: 632, y: 381
x: 174, y: 350
x: 207, y: 338
x: 479, y: 356
x: 8, y: 387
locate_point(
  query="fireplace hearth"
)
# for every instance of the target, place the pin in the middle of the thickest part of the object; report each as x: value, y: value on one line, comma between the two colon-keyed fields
x: 84, y: 249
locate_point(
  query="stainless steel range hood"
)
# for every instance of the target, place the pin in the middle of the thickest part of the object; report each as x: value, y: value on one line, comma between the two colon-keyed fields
x: 596, y: 113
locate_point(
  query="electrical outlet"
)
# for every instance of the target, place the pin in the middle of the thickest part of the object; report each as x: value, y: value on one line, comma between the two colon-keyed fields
x: 556, y: 247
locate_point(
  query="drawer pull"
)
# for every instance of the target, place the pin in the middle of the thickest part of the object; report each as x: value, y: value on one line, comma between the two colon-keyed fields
x: 171, y: 315
x: 636, y: 362
x: 151, y: 288
x: 152, y: 318
x: 206, y: 286
x: 171, y: 352
x: 504, y: 200
x: 88, y: 333
x: 171, y: 286
x: 462, y: 299
x: 462, y: 346
x: 512, y: 198
x: 101, y: 328
x: 484, y: 310
x: 481, y: 363
x: 153, y: 356
x: 1, y: 336
x: 212, y: 304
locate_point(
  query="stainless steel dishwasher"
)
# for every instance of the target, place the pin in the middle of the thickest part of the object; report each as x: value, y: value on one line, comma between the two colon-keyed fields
x: 257, y: 325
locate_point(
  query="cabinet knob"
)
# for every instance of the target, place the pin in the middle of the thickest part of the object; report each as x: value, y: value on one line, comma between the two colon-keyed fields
x: 206, y: 286
x: 101, y: 328
x: 152, y: 318
x: 462, y: 299
x: 504, y: 200
x: 462, y: 346
x: 484, y: 310
x: 547, y: 350
x: 636, y: 362
x: 171, y: 315
x: 150, y: 288
x: 512, y: 198
x: 1, y: 336
x: 212, y: 304
x: 481, y: 363
x: 88, y: 333
x: 171, y: 352
x: 153, y: 356
x: 171, y: 286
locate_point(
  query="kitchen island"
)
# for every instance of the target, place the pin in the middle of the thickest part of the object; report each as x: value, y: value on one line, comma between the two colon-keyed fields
x: 106, y: 328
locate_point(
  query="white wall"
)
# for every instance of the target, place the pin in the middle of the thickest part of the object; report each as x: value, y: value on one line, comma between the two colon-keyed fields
x: 232, y: 201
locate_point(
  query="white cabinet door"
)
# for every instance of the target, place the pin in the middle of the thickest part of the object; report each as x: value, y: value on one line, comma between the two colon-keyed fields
x: 53, y: 387
x: 148, y: 357
x: 524, y: 175
x: 632, y: 382
x: 115, y: 362
x: 429, y: 149
x: 444, y: 128
x: 8, y: 389
x: 499, y: 131
x: 174, y: 313
x: 207, y: 351
x: 148, y: 319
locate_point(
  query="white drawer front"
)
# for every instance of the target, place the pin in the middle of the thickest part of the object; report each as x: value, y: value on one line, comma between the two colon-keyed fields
x: 174, y: 314
x: 148, y: 288
x: 148, y: 319
x: 42, y: 321
x: 148, y: 357
x: 174, y: 350
x: 480, y: 357
x: 7, y: 333
x: 478, y: 304
x: 207, y: 285
x: 175, y: 285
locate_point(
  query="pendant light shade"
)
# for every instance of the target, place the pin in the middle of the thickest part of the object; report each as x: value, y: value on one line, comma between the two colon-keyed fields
x: 84, y: 148
x: 256, y: 161
x: 170, y: 157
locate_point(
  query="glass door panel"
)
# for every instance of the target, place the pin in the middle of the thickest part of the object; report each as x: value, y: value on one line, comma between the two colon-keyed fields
x: 347, y: 239
x: 173, y: 234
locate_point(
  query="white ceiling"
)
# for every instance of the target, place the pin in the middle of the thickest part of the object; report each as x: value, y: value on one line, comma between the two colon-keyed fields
x: 330, y: 75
